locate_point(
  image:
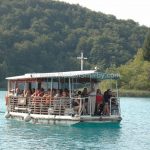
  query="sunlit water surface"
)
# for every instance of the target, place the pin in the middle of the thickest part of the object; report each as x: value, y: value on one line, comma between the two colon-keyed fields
x: 133, y: 133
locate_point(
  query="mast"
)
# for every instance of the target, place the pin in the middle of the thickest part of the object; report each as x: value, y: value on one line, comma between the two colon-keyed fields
x: 82, y: 58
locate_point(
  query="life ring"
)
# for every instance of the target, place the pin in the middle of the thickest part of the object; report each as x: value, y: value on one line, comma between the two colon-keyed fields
x: 27, y: 118
x: 7, y: 115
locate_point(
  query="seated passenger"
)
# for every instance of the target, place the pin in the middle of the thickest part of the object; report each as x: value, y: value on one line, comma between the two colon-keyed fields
x: 67, y: 92
x: 27, y: 93
x: 11, y: 92
x: 41, y: 92
x: 17, y: 92
x: 36, y: 93
x: 32, y: 91
x: 77, y: 103
x: 48, y: 97
x: 60, y: 100
x: 35, y: 96
x: 64, y: 99
x: 57, y: 93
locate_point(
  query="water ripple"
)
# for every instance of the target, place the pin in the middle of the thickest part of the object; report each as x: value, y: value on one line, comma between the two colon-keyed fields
x: 131, y: 133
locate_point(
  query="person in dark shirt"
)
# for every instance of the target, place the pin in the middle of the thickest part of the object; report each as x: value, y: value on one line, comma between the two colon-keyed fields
x: 107, y: 96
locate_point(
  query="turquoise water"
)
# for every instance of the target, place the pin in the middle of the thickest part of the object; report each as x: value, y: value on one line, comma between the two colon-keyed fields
x: 133, y: 133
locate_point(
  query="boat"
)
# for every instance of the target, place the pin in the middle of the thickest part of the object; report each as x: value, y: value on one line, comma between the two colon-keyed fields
x: 26, y: 101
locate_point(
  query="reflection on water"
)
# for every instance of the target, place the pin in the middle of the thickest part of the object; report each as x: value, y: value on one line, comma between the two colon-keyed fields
x: 82, y: 136
x: 55, y: 136
x: 2, y: 101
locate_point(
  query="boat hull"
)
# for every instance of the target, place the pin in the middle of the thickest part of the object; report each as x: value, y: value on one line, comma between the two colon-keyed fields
x: 64, y: 120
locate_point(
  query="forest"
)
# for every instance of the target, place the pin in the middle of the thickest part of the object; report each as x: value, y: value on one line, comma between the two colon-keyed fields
x: 47, y: 36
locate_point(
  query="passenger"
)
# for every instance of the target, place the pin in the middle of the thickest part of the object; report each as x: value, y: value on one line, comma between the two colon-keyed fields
x: 53, y: 92
x: 32, y: 91
x: 107, y: 95
x: 64, y: 94
x: 114, y: 104
x: 92, y: 101
x: 77, y: 103
x: 74, y: 93
x: 62, y: 101
x: 48, y: 97
x: 11, y: 92
x: 85, y: 103
x: 27, y: 93
x: 41, y: 92
x: 99, y: 103
x: 67, y: 92
x: 35, y: 96
x: 57, y: 93
x: 56, y: 98
x: 17, y: 92
x: 36, y: 93
x: 113, y: 98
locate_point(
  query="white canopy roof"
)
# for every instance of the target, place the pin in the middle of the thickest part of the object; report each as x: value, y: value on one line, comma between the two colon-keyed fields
x: 72, y: 74
x: 51, y: 75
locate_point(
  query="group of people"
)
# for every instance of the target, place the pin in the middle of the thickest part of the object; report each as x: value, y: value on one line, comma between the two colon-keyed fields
x: 84, y: 102
x: 93, y: 103
x: 47, y: 95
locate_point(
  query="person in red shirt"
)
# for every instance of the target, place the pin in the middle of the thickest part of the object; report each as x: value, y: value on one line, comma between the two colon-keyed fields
x: 99, y: 102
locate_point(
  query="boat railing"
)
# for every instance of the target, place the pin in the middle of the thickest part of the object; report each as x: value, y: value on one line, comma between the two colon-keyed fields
x: 39, y: 105
x: 58, y: 105
x: 17, y: 104
x: 81, y: 108
x: 114, y: 106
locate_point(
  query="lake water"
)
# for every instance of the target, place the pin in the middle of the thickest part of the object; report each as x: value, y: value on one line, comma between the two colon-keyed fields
x: 133, y: 133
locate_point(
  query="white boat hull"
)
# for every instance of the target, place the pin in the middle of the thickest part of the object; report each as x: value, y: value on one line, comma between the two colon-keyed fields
x: 64, y: 120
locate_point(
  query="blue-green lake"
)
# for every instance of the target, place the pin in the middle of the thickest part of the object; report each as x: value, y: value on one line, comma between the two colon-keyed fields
x: 133, y: 132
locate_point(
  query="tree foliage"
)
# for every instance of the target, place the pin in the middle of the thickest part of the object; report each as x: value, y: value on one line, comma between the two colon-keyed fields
x: 136, y: 73
x: 146, y: 46
x: 46, y: 36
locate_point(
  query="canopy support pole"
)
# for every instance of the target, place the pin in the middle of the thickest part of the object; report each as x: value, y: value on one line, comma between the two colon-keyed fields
x: 117, y: 88
x: 70, y: 91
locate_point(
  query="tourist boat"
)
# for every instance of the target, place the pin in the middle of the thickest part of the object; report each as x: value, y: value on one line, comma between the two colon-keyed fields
x: 26, y: 101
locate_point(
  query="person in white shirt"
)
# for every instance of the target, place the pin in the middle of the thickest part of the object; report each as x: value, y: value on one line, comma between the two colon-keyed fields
x: 92, y: 101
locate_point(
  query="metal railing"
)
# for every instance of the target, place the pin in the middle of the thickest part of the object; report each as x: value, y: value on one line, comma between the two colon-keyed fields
x: 59, y: 105
x: 38, y: 105
x: 114, y: 106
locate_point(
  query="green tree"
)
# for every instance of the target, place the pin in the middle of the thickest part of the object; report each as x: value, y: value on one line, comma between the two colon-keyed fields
x: 146, y: 46
x: 46, y: 35
x: 136, y: 73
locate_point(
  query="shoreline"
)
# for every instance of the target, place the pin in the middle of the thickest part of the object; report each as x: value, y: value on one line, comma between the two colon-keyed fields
x: 133, y: 93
